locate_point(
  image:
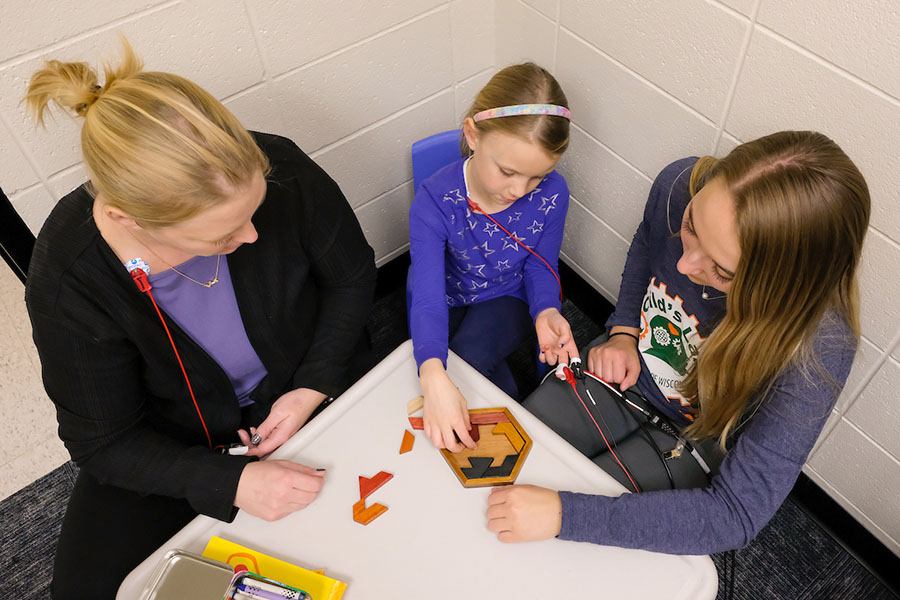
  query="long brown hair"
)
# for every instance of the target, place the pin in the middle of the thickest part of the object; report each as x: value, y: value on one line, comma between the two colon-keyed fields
x: 802, y: 210
x: 157, y: 146
x: 526, y: 83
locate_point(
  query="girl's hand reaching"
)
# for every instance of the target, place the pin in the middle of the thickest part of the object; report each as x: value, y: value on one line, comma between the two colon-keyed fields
x: 446, y: 410
x: 524, y: 513
x: 617, y: 360
x: 555, y: 337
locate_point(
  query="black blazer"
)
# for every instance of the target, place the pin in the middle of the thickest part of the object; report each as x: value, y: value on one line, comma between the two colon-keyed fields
x: 304, y: 290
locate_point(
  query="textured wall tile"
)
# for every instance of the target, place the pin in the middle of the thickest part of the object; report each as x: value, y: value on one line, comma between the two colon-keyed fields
x: 65, y: 181
x: 742, y: 6
x: 642, y: 125
x: 295, y: 33
x: 595, y: 249
x: 386, y: 222
x: 15, y: 171
x: 892, y: 544
x: 858, y: 36
x: 833, y: 419
x: 33, y: 205
x: 879, y: 289
x: 727, y: 143
x: 27, y: 26
x: 660, y: 41
x: 378, y: 160
x: 604, y: 184
x: 258, y: 110
x: 781, y: 88
x: 472, y: 29
x: 548, y: 7
x: 466, y: 92
x: 369, y: 82
x: 867, y: 354
x: 523, y: 35
x: 877, y: 411
x: 213, y: 47
x: 866, y: 477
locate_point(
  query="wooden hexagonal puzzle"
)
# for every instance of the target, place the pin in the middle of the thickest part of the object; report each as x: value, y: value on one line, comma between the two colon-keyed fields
x: 502, y: 446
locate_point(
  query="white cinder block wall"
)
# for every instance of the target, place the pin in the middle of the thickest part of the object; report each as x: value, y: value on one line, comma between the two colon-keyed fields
x: 354, y: 84
x: 650, y: 82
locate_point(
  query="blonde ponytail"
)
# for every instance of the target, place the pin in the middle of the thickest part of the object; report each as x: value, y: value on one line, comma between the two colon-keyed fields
x: 157, y: 146
x: 73, y: 86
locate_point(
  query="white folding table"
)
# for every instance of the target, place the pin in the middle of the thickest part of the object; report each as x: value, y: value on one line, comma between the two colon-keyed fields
x: 433, y: 541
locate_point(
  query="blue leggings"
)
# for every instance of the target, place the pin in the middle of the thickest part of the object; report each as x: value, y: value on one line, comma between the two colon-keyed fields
x: 486, y: 333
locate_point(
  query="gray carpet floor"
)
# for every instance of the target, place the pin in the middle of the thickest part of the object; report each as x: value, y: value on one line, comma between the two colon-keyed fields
x: 792, y: 558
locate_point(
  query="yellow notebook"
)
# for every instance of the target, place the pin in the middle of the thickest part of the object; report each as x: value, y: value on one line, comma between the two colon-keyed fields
x: 314, y: 583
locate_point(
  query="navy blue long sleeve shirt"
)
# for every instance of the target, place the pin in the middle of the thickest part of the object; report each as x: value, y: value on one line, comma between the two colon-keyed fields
x: 760, y: 469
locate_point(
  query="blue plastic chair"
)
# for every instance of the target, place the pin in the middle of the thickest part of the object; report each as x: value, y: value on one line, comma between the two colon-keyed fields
x: 431, y: 153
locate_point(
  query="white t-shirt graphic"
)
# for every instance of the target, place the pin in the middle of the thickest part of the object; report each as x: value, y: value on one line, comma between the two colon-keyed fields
x: 669, y: 341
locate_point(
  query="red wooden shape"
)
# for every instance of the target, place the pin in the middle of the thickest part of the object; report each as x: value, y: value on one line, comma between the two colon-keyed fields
x: 407, y: 443
x: 488, y: 418
x: 474, y: 419
x: 367, y: 485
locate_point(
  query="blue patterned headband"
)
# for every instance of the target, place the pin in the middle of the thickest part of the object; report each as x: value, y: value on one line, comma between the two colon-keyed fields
x: 523, y: 109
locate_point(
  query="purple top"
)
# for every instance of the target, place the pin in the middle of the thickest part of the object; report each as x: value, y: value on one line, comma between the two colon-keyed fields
x: 461, y: 258
x: 211, y: 317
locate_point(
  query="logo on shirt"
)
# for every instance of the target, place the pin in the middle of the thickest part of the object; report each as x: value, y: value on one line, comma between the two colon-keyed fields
x: 669, y: 341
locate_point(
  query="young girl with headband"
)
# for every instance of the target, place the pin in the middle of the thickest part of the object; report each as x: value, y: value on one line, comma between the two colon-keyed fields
x: 485, y: 233
x: 738, y: 320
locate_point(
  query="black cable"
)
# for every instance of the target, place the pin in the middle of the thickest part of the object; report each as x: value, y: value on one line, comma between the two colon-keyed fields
x: 659, y: 453
x: 641, y: 425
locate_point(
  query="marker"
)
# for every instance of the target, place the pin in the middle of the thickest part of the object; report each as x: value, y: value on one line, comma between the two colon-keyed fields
x: 282, y: 590
x: 252, y: 591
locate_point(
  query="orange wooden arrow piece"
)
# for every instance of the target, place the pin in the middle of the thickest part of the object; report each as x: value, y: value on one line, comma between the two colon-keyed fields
x: 364, y: 515
x: 367, y: 485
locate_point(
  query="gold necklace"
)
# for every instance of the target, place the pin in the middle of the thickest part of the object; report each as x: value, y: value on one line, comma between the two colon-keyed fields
x: 207, y: 285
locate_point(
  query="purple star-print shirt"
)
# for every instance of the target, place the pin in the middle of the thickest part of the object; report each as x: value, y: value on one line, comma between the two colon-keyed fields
x: 461, y: 258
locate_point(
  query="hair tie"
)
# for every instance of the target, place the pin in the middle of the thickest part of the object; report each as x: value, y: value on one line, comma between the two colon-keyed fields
x: 553, y: 110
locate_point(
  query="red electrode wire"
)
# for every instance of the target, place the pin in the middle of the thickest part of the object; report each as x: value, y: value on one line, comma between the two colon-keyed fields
x: 143, y: 284
x: 475, y: 207
x: 570, y: 378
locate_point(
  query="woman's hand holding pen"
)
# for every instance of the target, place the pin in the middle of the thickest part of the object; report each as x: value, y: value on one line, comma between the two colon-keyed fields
x: 524, y: 513
x: 446, y: 410
x: 287, y: 416
x: 554, y: 337
x: 617, y: 359
x: 273, y: 489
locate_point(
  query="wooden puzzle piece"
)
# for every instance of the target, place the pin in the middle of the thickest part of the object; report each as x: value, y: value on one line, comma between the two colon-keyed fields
x: 479, y: 464
x: 511, y: 433
x: 488, y: 418
x: 364, y: 515
x: 415, y: 404
x: 474, y: 419
x: 504, y: 469
x: 367, y: 485
x: 407, y: 444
